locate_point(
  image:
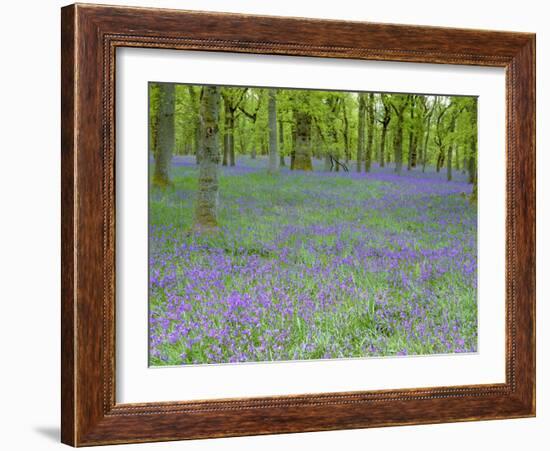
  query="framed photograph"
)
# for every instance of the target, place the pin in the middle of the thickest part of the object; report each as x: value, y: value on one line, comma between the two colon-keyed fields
x: 278, y: 225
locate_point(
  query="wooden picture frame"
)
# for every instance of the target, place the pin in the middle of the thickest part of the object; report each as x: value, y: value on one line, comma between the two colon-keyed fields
x: 90, y: 36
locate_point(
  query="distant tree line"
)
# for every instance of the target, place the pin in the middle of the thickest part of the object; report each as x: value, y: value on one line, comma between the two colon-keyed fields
x: 293, y: 126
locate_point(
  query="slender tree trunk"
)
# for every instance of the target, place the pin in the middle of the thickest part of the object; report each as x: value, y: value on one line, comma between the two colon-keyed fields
x: 472, y: 169
x: 420, y: 150
x: 207, y: 196
x: 166, y: 136
x: 360, y: 130
x: 196, y: 123
x: 414, y: 158
x: 347, y: 151
x: 231, y: 141
x: 302, y: 151
x: 412, y: 151
x: 472, y: 163
x: 242, y: 142
x: 425, y: 147
x: 398, y: 144
x: 272, y: 119
x: 411, y: 154
x: 412, y: 143
x: 370, y: 132
x: 225, y: 158
x: 450, y: 149
x: 383, y: 144
x: 449, y: 162
x: 281, y: 144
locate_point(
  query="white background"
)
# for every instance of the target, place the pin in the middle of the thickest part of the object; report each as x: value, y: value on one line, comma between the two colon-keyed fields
x: 138, y: 383
x: 29, y: 118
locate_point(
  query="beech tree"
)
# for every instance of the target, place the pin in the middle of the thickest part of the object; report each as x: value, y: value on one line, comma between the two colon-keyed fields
x: 251, y: 108
x: 399, y: 103
x: 360, y: 129
x: 273, y: 150
x: 154, y: 98
x: 302, y: 150
x: 194, y: 99
x: 232, y: 98
x: 302, y: 131
x: 206, y: 215
x: 165, y: 138
x: 428, y: 108
x: 384, y: 121
x: 370, y: 132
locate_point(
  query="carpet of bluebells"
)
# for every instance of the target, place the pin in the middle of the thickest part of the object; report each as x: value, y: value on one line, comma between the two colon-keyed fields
x: 312, y: 266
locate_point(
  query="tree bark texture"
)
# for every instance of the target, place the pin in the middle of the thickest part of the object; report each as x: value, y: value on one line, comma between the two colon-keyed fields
x: 207, y: 196
x: 302, y: 152
x: 165, y: 135
x: 272, y: 120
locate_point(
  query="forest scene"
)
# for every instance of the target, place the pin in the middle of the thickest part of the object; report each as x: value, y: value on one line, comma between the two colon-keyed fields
x: 293, y: 224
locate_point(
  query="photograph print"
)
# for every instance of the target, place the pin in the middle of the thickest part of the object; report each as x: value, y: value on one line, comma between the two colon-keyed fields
x: 295, y: 224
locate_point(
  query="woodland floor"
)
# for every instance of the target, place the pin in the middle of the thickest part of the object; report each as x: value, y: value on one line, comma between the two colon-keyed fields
x: 312, y: 266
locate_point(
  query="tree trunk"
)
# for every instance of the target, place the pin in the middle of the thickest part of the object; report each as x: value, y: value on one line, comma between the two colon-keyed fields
x: 450, y: 150
x: 449, y: 162
x: 196, y: 124
x: 370, y: 132
x: 232, y: 139
x: 302, y: 151
x: 281, y: 144
x: 328, y: 162
x: 440, y: 160
x: 398, y: 144
x: 383, y: 144
x: 425, y: 149
x: 166, y: 136
x: 347, y: 151
x: 154, y: 134
x: 207, y: 195
x: 360, y: 130
x: 472, y: 169
x: 225, y: 158
x: 154, y: 98
x: 412, y: 141
x: 414, y: 157
x: 420, y: 150
x: 412, y: 151
x: 272, y: 119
